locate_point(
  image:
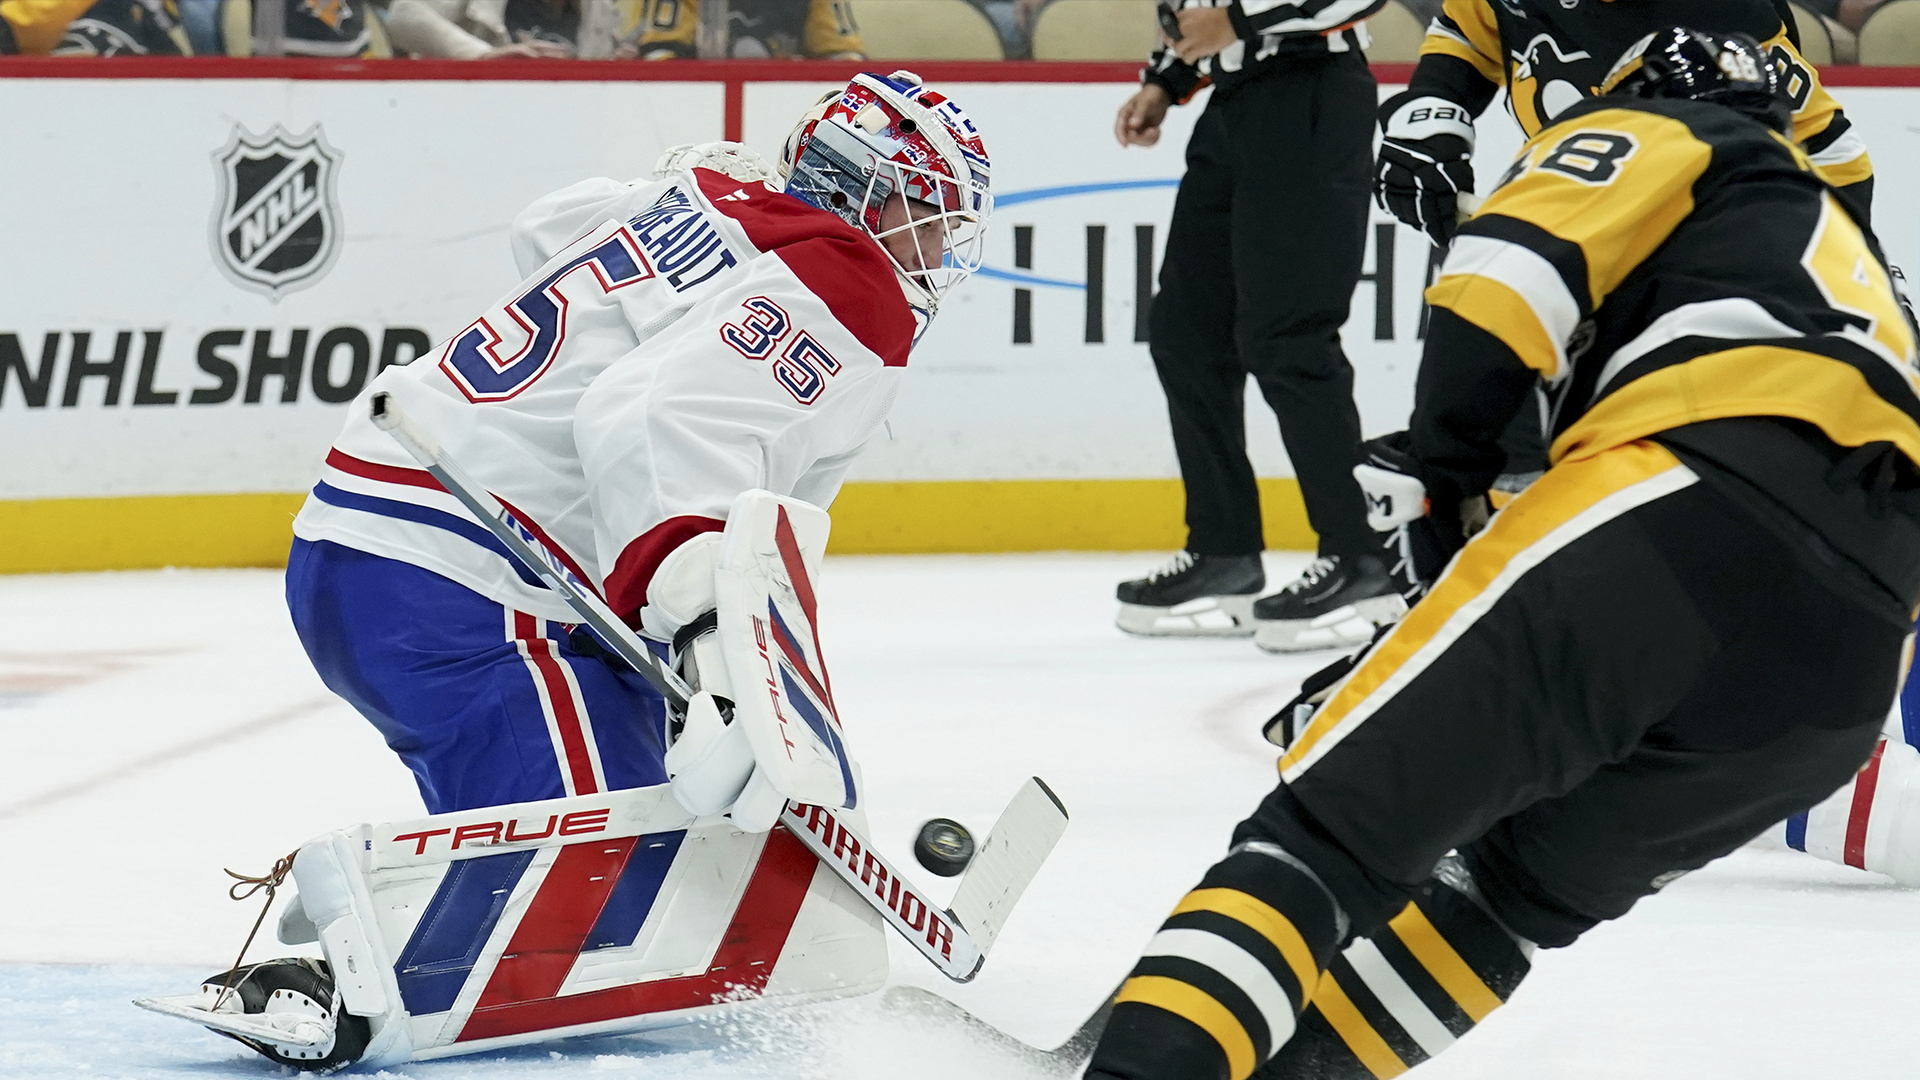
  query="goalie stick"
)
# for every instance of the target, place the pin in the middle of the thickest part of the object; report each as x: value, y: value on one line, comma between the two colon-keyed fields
x: 1071, y: 1054
x: 954, y: 939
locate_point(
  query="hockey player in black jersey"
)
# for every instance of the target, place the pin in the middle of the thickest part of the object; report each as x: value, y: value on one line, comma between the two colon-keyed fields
x: 1548, y: 54
x: 1690, y: 627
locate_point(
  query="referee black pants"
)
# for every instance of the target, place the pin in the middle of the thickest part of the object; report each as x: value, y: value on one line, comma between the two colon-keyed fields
x: 1265, y: 247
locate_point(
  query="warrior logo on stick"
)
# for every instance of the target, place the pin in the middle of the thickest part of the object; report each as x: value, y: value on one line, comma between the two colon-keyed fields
x: 276, y: 224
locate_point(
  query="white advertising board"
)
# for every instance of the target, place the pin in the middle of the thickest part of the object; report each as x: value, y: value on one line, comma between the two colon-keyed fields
x: 199, y: 273
x: 172, y: 370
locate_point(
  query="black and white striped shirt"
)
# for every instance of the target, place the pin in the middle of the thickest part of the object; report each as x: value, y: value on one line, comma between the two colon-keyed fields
x: 1269, y: 30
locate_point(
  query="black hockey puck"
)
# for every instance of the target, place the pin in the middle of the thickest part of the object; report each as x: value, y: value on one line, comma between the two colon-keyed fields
x: 944, y: 846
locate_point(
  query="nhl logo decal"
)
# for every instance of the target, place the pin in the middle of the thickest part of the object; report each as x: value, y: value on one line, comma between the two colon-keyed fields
x: 276, y: 224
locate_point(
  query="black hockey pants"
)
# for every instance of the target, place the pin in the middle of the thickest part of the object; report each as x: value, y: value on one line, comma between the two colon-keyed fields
x: 1622, y: 678
x: 1265, y: 247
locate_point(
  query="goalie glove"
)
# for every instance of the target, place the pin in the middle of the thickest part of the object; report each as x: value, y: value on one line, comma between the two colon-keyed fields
x: 1418, y: 545
x: 1426, y: 162
x: 709, y: 761
x: 778, y: 738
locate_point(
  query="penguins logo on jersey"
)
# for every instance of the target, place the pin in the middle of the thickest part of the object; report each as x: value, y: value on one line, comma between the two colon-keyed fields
x: 276, y: 222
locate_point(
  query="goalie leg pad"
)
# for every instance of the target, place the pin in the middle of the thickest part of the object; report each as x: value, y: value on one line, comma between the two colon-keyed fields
x: 1872, y: 822
x: 618, y: 912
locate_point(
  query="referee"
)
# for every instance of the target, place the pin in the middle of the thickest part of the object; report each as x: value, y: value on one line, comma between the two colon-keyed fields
x: 1262, y: 257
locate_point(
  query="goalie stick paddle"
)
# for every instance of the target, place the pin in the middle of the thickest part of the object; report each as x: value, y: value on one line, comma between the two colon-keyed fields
x: 956, y: 939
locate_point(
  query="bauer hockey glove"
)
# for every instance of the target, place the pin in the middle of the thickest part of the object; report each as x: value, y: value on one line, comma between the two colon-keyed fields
x: 1426, y: 162
x: 1418, y: 542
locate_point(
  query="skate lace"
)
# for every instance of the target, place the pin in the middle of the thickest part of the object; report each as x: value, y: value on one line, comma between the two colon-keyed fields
x: 242, y: 888
x: 1316, y: 572
x: 1180, y: 563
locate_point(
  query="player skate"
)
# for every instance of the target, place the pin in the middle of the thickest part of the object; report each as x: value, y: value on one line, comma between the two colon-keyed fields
x: 1193, y: 596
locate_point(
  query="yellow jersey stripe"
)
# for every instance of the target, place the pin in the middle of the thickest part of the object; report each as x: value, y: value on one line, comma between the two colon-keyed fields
x: 1353, y: 1029
x: 1618, y: 221
x: 1497, y: 308
x: 1264, y: 919
x: 1755, y: 380
x: 1454, y: 974
x: 1842, y: 174
x: 1816, y: 115
x: 1198, y: 1007
x: 1439, y: 43
x: 1550, y: 514
x: 1481, y: 46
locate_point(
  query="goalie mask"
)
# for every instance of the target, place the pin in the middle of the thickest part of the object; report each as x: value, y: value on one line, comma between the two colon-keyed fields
x: 1725, y: 69
x: 904, y: 165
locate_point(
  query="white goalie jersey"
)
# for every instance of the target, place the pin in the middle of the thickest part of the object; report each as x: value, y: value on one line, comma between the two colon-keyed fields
x: 674, y: 343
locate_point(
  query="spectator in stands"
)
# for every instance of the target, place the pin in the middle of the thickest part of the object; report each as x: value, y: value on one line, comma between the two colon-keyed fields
x: 320, y: 28
x: 483, y: 29
x: 821, y: 30
x: 126, y: 28
x: 325, y: 29
x: 33, y: 27
x: 1851, y: 14
x: 1013, y: 19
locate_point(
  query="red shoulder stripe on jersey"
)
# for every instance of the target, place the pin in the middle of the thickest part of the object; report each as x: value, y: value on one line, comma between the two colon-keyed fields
x: 633, y: 570
x: 373, y: 470
x: 841, y: 265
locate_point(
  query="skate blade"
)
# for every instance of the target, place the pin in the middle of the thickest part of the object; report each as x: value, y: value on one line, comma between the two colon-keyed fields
x: 1207, y: 616
x: 281, y: 1029
x: 1342, y: 628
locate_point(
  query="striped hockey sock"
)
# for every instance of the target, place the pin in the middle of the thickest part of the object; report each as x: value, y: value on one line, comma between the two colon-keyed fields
x: 1393, y: 1000
x: 1219, y: 987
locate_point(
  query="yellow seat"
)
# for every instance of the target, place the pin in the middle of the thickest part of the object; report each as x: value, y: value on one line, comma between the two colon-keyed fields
x: 1891, y: 36
x: 1095, y: 30
x: 1816, y: 41
x: 926, y: 30
x: 1397, y: 33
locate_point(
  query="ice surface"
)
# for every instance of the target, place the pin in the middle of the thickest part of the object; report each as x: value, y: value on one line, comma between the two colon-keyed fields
x: 156, y: 727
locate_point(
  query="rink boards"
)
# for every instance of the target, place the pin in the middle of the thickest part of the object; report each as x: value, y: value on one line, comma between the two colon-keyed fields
x: 205, y: 266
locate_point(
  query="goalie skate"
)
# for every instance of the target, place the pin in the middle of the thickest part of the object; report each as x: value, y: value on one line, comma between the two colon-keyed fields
x: 285, y: 1009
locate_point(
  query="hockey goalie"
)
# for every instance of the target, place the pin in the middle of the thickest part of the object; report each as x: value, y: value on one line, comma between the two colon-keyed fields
x: 663, y: 404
